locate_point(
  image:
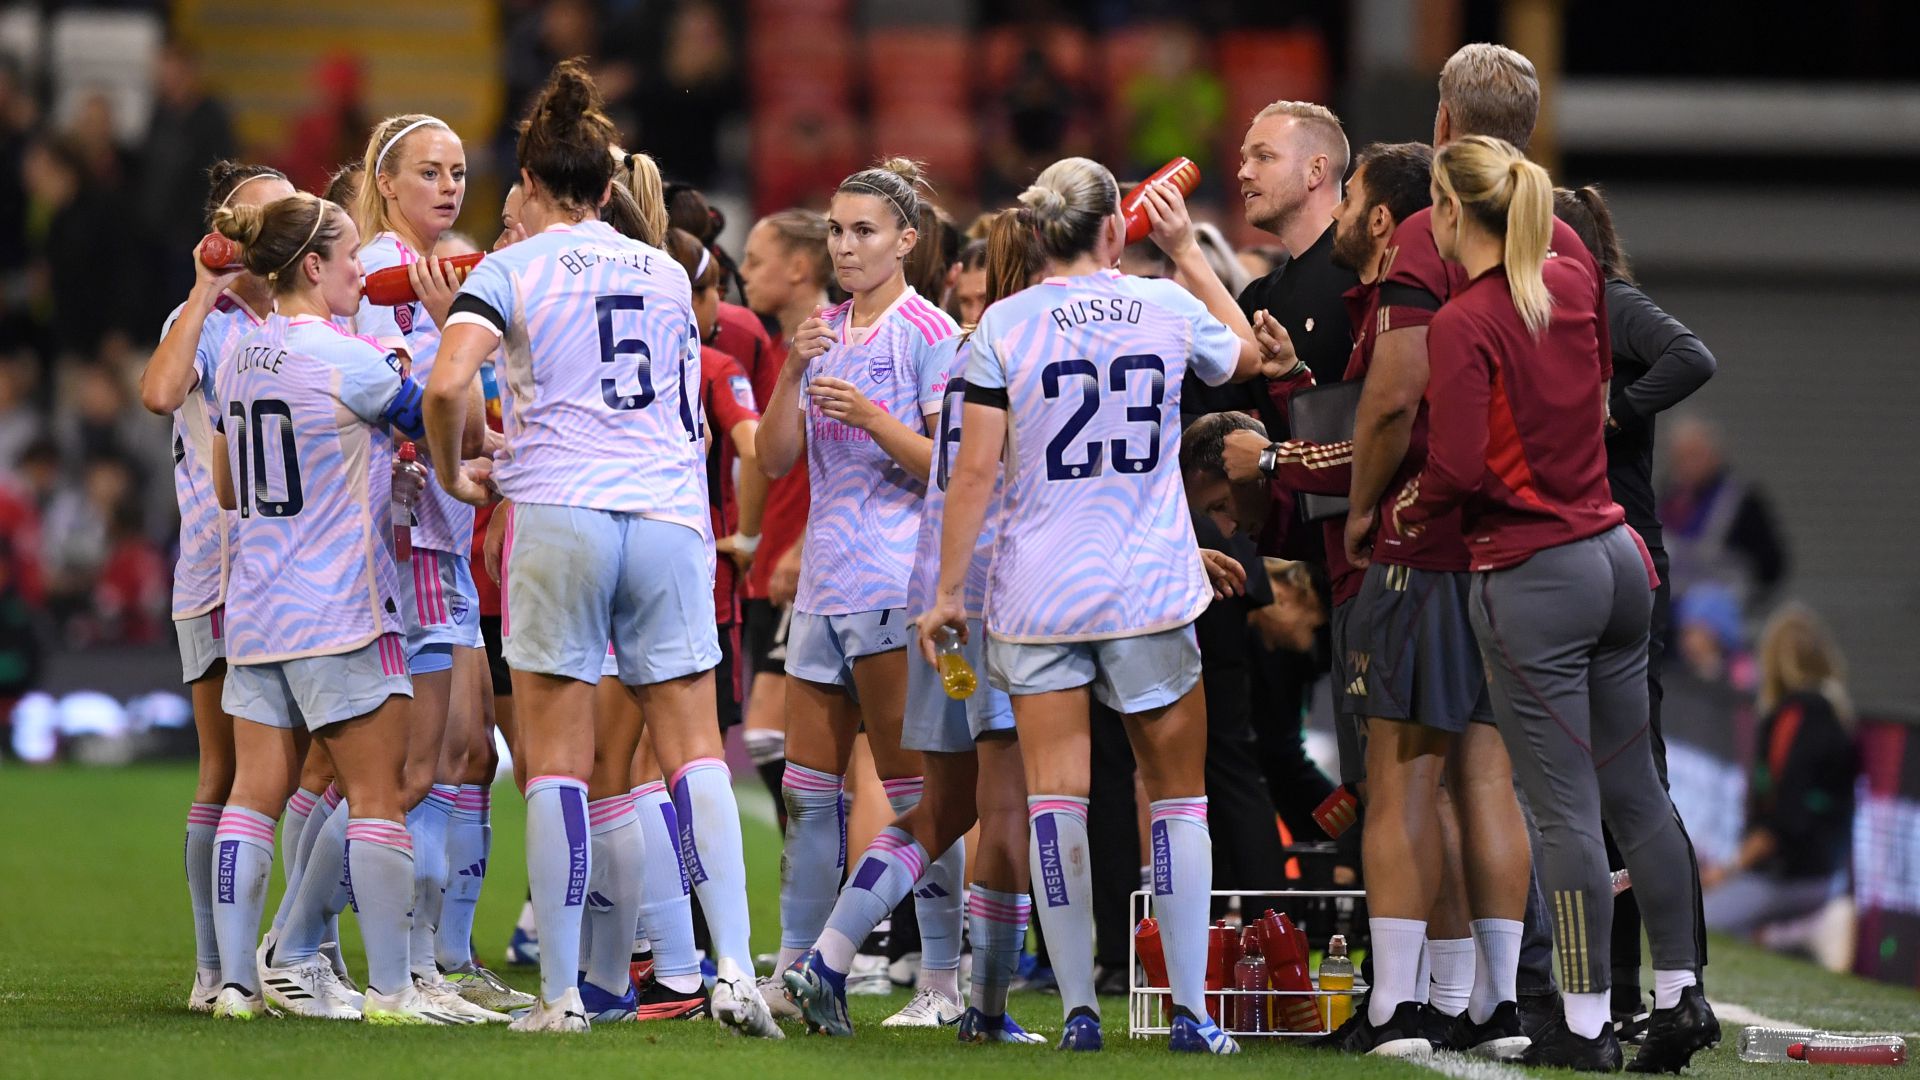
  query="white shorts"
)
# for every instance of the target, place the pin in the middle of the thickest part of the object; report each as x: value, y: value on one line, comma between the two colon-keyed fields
x: 1128, y: 674
x: 203, y: 643
x: 580, y: 577
x: 822, y: 648
x: 319, y: 690
x: 938, y: 723
x: 439, y: 606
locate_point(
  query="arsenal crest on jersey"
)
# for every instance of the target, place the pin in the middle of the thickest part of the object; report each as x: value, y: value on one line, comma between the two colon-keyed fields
x: 881, y: 368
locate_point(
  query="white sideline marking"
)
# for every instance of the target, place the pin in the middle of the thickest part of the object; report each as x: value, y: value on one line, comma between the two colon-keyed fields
x: 1465, y: 1067
x: 1745, y: 1017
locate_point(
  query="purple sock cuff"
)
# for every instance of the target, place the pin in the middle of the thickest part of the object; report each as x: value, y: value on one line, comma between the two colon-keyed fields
x: 651, y: 789
x: 610, y: 813
x: 302, y: 802
x: 201, y: 813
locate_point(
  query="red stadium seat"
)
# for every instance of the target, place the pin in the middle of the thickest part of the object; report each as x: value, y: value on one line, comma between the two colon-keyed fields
x: 944, y: 137
x: 922, y: 65
x: 1067, y: 49
x: 1262, y: 67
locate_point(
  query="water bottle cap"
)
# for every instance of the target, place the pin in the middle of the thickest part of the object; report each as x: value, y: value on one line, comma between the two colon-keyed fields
x: 409, y: 452
x: 1337, y: 945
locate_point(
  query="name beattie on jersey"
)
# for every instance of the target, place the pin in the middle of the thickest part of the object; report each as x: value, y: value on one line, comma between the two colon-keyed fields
x: 579, y: 260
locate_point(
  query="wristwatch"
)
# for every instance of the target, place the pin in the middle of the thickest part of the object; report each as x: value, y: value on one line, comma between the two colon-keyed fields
x: 1270, y: 458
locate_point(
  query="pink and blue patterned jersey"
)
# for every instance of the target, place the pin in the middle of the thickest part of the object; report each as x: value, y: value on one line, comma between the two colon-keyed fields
x: 206, y: 531
x: 864, y: 519
x: 303, y: 406
x: 601, y: 373
x: 440, y: 521
x: 1095, y: 541
x: 947, y: 396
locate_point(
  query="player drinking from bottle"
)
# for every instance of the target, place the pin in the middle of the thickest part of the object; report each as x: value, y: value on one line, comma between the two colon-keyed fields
x: 414, y: 180
x: 1096, y: 578
x: 611, y: 534
x: 178, y: 381
x: 313, y: 637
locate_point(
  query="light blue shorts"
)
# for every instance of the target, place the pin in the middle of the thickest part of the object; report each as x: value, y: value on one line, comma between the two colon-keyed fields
x: 203, y: 643
x: 580, y: 577
x: 940, y: 724
x: 1128, y: 674
x: 822, y: 648
x: 439, y: 607
x: 319, y: 690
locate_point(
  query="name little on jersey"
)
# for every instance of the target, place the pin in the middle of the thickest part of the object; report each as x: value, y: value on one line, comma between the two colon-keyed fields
x: 1112, y: 309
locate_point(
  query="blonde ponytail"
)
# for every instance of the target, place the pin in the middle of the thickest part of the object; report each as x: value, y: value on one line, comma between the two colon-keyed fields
x: 642, y: 176
x: 1529, y: 228
x: 1512, y: 198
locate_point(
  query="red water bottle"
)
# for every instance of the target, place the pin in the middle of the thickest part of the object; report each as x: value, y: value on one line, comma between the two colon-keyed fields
x: 219, y: 254
x: 1223, y: 950
x: 1286, y: 950
x: 1251, y: 1011
x: 402, y: 512
x: 1153, y: 960
x: 392, y: 287
x: 1184, y: 175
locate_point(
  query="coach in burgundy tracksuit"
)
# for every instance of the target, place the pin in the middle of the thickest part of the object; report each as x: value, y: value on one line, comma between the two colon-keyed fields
x: 1562, y: 588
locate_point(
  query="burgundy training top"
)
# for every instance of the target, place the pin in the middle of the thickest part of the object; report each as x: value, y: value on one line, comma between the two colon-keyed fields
x: 1517, y: 442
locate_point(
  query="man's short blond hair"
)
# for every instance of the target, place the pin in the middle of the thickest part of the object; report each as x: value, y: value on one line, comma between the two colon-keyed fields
x: 1319, y: 123
x: 1491, y: 90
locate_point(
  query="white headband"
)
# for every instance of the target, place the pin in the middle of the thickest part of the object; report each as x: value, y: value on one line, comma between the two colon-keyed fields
x: 256, y: 176
x: 403, y: 133
x: 706, y: 257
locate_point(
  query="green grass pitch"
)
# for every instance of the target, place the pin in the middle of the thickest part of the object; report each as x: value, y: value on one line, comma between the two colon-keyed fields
x: 96, y: 955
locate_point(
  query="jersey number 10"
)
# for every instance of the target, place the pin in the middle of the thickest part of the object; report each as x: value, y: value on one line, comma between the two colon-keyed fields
x: 1058, y: 380
x: 253, y: 481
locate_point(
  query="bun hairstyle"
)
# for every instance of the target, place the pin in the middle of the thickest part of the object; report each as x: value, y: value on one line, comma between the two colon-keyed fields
x: 227, y: 177
x: 703, y: 270
x: 1014, y: 255
x: 1511, y: 198
x: 1071, y: 201
x: 566, y: 141
x: 274, y: 237
x: 386, y: 149
x: 898, y: 182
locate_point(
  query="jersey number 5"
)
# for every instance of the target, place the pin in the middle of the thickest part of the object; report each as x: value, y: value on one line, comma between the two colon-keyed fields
x: 1057, y: 379
x: 613, y: 348
x: 253, y: 481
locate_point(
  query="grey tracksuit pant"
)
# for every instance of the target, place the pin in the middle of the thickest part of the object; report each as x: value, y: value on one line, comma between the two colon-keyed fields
x: 1564, y: 635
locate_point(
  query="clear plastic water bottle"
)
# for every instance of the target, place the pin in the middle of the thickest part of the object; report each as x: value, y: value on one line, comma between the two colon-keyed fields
x: 955, y: 673
x: 1773, y: 1044
x: 402, y: 512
